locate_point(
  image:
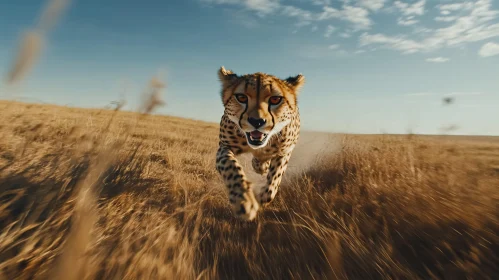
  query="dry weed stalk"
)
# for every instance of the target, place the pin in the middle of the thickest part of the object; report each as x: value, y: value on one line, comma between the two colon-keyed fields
x: 32, y: 41
x: 72, y: 261
x: 29, y: 51
x: 52, y: 12
x: 152, y: 96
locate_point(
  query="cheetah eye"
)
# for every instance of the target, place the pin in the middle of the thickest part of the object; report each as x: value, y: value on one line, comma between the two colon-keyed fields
x: 241, y: 98
x: 274, y: 100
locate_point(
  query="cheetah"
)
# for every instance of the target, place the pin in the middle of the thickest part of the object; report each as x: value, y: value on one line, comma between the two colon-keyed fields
x: 260, y: 117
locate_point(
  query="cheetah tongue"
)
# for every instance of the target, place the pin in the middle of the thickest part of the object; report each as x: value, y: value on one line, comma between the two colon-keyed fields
x: 256, y: 135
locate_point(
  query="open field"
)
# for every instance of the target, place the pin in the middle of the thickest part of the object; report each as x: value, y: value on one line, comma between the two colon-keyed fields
x: 94, y: 194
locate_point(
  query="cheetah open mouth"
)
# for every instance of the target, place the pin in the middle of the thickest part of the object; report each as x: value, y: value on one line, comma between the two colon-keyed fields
x: 256, y: 138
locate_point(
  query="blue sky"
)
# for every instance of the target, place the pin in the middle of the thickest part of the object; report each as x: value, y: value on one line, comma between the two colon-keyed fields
x: 371, y: 66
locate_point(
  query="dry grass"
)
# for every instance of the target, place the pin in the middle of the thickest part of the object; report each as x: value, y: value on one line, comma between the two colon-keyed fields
x: 380, y: 207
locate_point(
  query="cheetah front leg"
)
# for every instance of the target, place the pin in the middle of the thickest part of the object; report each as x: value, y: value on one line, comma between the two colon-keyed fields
x: 260, y: 167
x: 241, y: 195
x: 277, y: 168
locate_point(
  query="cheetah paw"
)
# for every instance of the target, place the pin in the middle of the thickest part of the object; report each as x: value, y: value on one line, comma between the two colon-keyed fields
x: 246, y: 207
x: 265, y: 196
x: 261, y: 168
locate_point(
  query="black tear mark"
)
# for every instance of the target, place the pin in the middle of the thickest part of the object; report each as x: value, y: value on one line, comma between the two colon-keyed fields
x: 270, y: 112
x: 245, y: 108
x: 273, y: 122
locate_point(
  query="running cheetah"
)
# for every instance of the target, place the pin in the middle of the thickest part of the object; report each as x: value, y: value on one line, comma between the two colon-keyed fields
x: 261, y: 117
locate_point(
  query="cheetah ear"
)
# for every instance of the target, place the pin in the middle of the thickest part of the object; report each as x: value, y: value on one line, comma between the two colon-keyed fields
x: 296, y: 82
x: 226, y: 76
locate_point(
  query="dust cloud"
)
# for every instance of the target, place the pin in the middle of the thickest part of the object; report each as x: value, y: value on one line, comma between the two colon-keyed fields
x: 311, y: 147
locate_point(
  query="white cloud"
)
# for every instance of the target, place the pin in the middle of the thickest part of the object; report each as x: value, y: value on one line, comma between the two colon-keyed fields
x: 446, y: 18
x: 489, y: 49
x: 483, y: 10
x: 407, y: 21
x: 472, y: 25
x: 322, y: 52
x: 373, y: 5
x: 302, y: 23
x: 345, y: 35
x: 243, y: 18
x: 438, y: 59
x: 301, y: 14
x: 328, y: 13
x: 262, y: 7
x: 329, y: 31
x: 222, y: 1
x: 411, y: 9
x: 422, y: 30
x: 456, y: 6
x: 321, y: 2
x: 459, y: 22
x: 400, y: 43
x: 358, y: 16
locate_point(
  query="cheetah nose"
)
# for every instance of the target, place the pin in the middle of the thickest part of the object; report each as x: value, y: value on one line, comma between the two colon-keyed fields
x: 257, y: 123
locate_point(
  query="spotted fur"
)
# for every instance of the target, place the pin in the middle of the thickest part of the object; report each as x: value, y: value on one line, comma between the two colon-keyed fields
x: 279, y: 123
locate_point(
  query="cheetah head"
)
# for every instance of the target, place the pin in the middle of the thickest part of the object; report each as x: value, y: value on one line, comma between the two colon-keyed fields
x: 260, y: 104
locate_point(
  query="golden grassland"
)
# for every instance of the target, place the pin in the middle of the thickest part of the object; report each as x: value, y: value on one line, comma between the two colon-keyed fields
x: 98, y: 194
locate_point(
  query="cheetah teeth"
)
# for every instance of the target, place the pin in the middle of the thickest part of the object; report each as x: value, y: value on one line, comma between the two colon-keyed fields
x: 257, y: 139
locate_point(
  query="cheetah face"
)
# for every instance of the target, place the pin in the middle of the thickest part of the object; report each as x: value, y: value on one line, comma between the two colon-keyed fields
x: 261, y: 105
